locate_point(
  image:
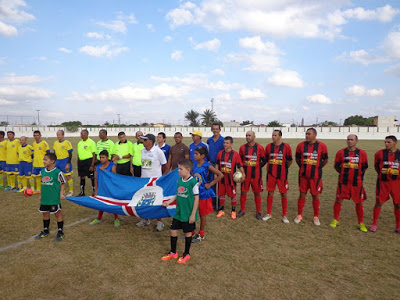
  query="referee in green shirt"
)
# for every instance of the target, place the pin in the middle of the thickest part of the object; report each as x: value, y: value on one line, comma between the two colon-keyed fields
x: 86, y: 159
x: 121, y: 155
x: 104, y: 144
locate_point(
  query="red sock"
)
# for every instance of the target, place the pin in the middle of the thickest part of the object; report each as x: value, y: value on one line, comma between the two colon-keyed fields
x: 201, y: 232
x: 233, y: 201
x: 243, y: 199
x: 337, y: 206
x: 222, y: 200
x: 257, y: 199
x: 397, y: 215
x: 115, y: 216
x: 377, y: 211
x: 270, y: 199
x: 284, y: 207
x: 100, y: 215
x: 315, y: 204
x: 360, y: 213
x: 300, y: 205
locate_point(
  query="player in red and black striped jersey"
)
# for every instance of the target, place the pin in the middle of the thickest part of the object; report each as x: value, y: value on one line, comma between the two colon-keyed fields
x: 279, y: 159
x: 351, y: 164
x: 388, y: 184
x: 311, y: 157
x: 228, y: 161
x: 253, y: 158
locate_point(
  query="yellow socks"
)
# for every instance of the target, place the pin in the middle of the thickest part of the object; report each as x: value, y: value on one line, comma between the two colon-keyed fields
x: 38, y: 183
x: 19, y: 182
x: 11, y: 180
x: 1, y: 179
x: 71, y: 185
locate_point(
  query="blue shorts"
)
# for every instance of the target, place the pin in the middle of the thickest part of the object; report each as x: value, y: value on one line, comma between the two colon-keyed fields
x: 12, y: 168
x: 61, y: 163
x: 3, y: 165
x: 25, y: 168
x: 36, y: 170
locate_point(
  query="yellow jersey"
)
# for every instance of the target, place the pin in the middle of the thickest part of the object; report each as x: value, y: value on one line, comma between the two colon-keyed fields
x: 62, y: 149
x: 3, y: 150
x: 12, y: 152
x: 39, y: 150
x: 25, y: 153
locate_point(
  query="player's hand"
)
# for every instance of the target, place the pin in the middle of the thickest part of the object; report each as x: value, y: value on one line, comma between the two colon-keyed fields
x: 207, y: 186
x: 192, y: 219
x: 62, y: 197
x: 91, y: 168
x: 165, y: 203
x: 114, y: 158
x: 243, y: 178
x: 67, y: 167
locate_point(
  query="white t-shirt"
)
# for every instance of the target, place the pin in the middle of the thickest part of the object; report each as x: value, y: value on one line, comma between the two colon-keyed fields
x: 152, y: 161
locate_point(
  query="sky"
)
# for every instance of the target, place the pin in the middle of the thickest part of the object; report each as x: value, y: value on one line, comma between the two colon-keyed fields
x: 152, y: 61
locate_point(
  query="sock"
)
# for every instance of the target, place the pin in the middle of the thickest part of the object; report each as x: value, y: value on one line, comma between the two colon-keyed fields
x: 1, y: 179
x: 233, y: 201
x: 270, y: 199
x: 19, y: 181
x: 24, y: 182
x: 360, y: 213
x: 284, y: 206
x: 233, y: 208
x: 377, y: 212
x: 221, y: 201
x: 92, y: 180
x: 243, y: 199
x: 11, y: 180
x: 38, y: 183
x: 337, y: 206
x: 83, y: 182
x: 188, y: 243
x: 115, y: 217
x: 257, y: 199
x: 300, y: 205
x: 315, y: 204
x: 174, y: 241
x: 100, y: 215
x: 221, y: 207
x: 397, y: 215
x: 46, y: 225
x: 201, y: 232
x: 71, y: 185
x: 60, y: 226
x: 31, y: 182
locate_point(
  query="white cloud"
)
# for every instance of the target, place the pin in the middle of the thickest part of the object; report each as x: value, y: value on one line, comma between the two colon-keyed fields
x: 22, y: 93
x: 375, y: 92
x: 394, y: 70
x: 319, y: 98
x: 286, y: 78
x: 64, y: 50
x: 392, y: 45
x: 103, y: 51
x: 246, y: 94
x: 257, y: 44
x: 5, y: 102
x: 359, y: 90
x: 289, y: 111
x: 167, y: 38
x: 12, y: 11
x: 150, y: 27
x: 361, y: 56
x: 218, y: 72
x: 8, y: 30
x: 179, y: 17
x: 12, y: 78
x: 98, y: 36
x: 109, y: 109
x: 212, y: 45
x: 383, y: 14
x: 115, y: 25
x: 176, y: 55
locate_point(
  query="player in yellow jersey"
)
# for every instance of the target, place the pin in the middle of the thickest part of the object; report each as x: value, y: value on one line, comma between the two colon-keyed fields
x: 2, y: 158
x: 63, y: 150
x: 40, y: 148
x: 25, y: 157
x: 12, y: 161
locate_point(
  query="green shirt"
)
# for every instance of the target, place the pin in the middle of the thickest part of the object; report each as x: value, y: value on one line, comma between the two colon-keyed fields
x: 137, y: 154
x: 122, y: 149
x: 106, y: 145
x: 51, y: 186
x: 185, y: 199
x: 86, y: 149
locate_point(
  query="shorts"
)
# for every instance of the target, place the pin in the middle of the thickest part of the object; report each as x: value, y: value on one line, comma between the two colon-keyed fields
x: 36, y: 171
x: 348, y: 191
x: 384, y: 189
x: 256, y: 185
x: 61, y: 163
x: 205, y: 207
x: 25, y: 168
x: 50, y: 208
x: 272, y: 182
x: 3, y: 166
x: 83, y: 168
x: 227, y: 189
x: 12, y: 169
x: 137, y: 171
x: 124, y: 169
x: 185, y: 226
x: 312, y: 184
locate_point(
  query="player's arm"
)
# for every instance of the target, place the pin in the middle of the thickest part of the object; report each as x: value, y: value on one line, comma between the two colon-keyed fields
x: 68, y: 165
x: 95, y: 183
x: 94, y: 156
x: 192, y: 218
x: 131, y: 165
x: 217, y: 177
x: 164, y: 169
x: 298, y: 156
x: 114, y: 168
x: 377, y: 162
x: 61, y: 179
x: 263, y: 158
x: 168, y: 202
x: 324, y: 157
x: 169, y: 163
x: 364, y: 165
x: 338, y: 162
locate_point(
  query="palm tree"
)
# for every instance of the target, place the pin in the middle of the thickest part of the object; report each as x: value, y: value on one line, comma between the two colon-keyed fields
x: 208, y: 117
x: 192, y: 116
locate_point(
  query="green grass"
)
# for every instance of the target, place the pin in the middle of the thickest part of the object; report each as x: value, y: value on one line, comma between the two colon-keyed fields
x: 244, y: 258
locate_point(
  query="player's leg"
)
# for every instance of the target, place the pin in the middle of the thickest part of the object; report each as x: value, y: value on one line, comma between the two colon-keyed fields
x: 221, y: 196
x: 232, y: 195
x: 256, y: 187
x: 175, y: 226
x: 46, y: 222
x: 284, y: 201
x: 382, y: 195
x: 205, y: 208
x: 271, y: 186
x: 301, y: 201
x: 60, y: 225
x: 2, y: 169
x: 98, y: 219
x: 316, y: 190
x: 245, y: 187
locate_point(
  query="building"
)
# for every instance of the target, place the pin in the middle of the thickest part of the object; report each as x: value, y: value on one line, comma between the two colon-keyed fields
x: 385, y: 121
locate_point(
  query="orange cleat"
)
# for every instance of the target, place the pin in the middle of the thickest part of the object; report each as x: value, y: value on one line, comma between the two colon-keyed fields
x: 233, y: 215
x: 182, y: 259
x: 170, y: 256
x: 220, y: 213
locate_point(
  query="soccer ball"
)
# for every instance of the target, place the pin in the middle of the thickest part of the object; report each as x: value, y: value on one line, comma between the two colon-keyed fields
x: 28, y: 192
x: 237, y: 176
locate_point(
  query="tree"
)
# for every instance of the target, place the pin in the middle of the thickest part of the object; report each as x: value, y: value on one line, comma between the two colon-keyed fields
x: 359, y: 120
x: 329, y: 123
x: 247, y: 122
x: 192, y: 117
x: 208, y: 117
x: 274, y: 123
x: 72, y: 126
x: 4, y: 123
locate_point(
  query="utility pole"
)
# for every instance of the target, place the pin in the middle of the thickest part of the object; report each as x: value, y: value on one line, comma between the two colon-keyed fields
x: 212, y: 104
x: 38, y: 116
x: 119, y: 120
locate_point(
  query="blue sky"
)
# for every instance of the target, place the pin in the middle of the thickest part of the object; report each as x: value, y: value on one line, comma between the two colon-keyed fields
x: 151, y: 61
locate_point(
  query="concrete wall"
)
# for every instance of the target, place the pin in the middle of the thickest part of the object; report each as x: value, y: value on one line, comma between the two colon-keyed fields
x: 366, y: 133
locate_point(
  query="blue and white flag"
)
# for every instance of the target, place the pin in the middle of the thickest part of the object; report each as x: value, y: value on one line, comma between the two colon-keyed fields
x: 133, y: 196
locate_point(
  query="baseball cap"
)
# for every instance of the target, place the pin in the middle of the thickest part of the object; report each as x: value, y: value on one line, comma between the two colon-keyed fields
x: 197, y: 132
x: 148, y: 136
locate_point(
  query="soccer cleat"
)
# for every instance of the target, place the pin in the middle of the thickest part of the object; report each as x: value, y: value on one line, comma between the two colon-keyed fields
x: 37, y: 192
x: 316, y: 221
x: 21, y: 190
x: 41, y: 235
x: 8, y: 188
x: 298, y: 219
x: 95, y: 222
x: 60, y: 236
x: 373, y: 228
x: 397, y: 230
x: 285, y: 220
x: 69, y: 194
x: 197, y: 238
x: 233, y: 215
x: 80, y: 195
x: 334, y: 223
x: 362, y: 227
x: 220, y: 213
x: 117, y: 223
x: 16, y: 190
x: 169, y: 256
x: 143, y: 222
x: 240, y: 214
x: 1, y: 186
x: 183, y: 259
x: 259, y: 216
x: 267, y: 217
x: 159, y: 226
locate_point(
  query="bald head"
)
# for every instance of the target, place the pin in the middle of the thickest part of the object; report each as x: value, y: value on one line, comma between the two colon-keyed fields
x: 138, y: 135
x: 250, y: 136
x: 352, y: 141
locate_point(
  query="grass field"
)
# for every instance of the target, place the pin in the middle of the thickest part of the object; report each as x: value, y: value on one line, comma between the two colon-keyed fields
x: 243, y: 258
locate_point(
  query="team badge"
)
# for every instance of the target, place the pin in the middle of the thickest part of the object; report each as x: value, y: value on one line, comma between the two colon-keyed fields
x: 147, y: 199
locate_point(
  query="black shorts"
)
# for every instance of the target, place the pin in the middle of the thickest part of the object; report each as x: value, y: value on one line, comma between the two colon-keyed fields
x: 124, y: 169
x: 137, y: 171
x: 185, y: 226
x: 84, y: 166
x: 50, y: 208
